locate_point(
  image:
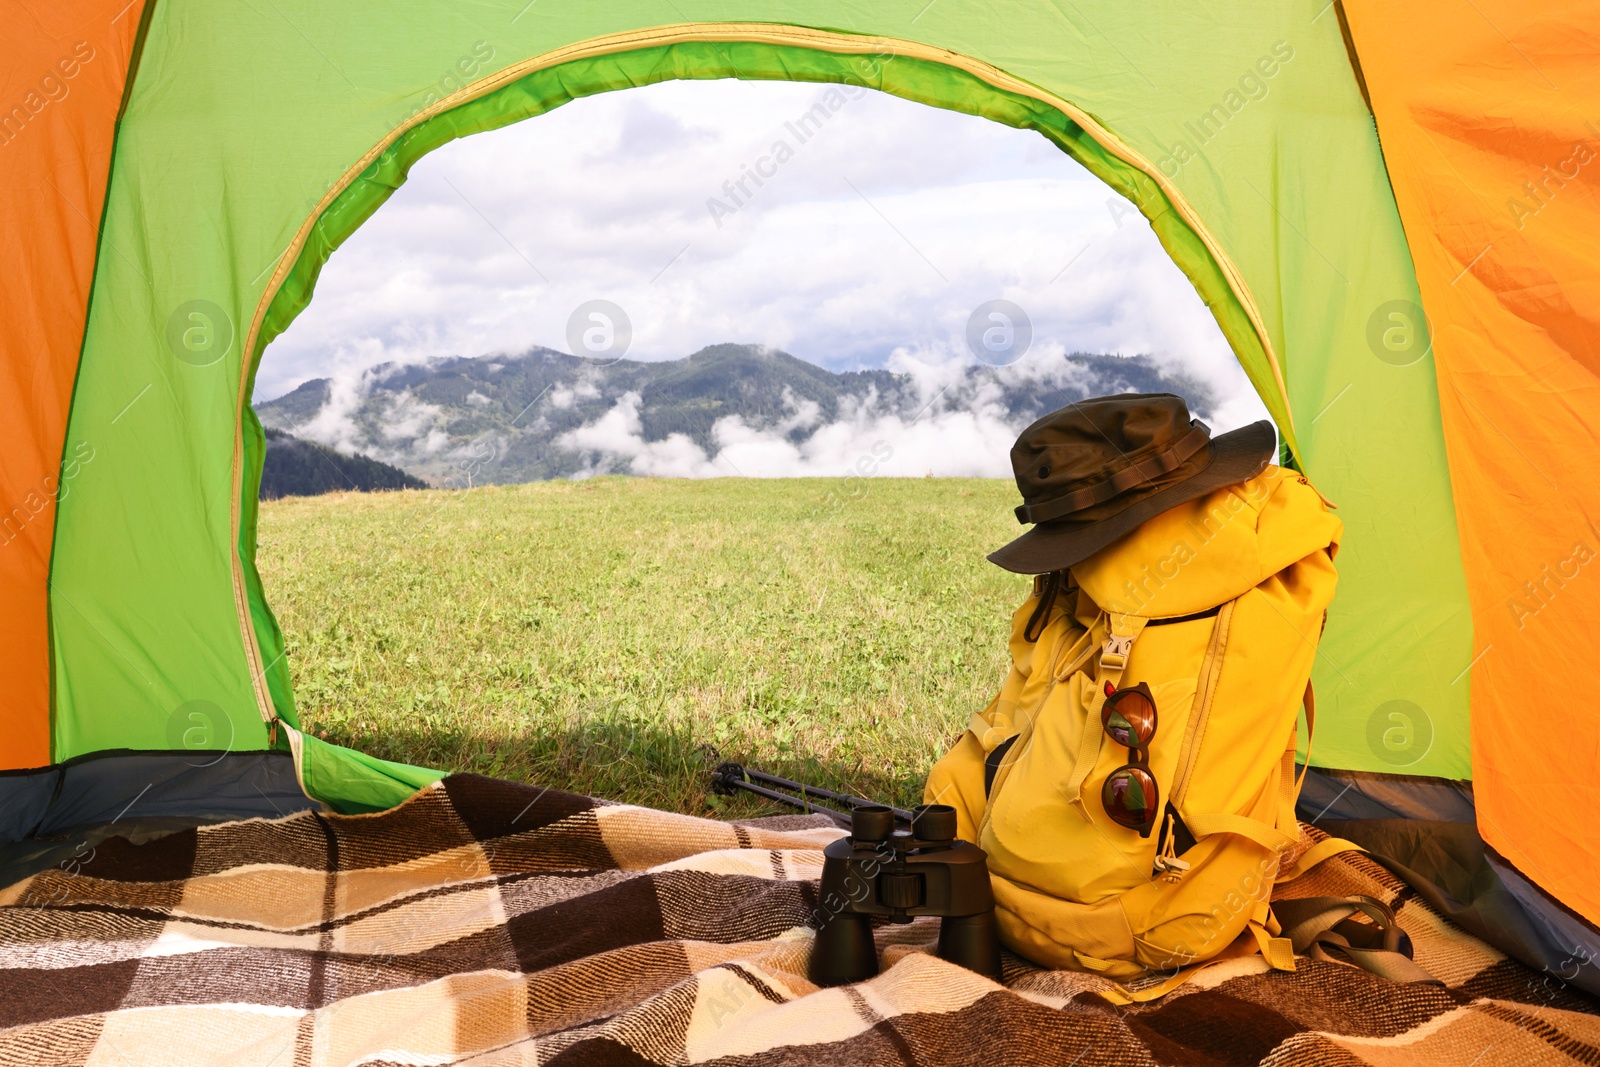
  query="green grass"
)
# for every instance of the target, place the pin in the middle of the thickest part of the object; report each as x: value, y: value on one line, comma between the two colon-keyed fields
x: 593, y: 636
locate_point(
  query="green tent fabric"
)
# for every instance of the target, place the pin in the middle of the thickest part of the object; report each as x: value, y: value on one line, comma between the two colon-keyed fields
x: 1276, y: 205
x: 351, y: 781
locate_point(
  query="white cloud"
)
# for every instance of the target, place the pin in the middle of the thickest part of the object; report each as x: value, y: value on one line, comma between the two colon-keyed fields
x: 885, y: 229
x: 334, y: 425
x: 563, y: 396
x: 408, y: 418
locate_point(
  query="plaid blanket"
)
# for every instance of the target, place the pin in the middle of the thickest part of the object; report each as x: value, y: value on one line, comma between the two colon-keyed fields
x: 491, y: 923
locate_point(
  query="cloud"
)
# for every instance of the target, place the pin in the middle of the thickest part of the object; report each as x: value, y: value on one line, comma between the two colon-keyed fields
x: 563, y: 396
x: 881, y: 234
x: 334, y: 424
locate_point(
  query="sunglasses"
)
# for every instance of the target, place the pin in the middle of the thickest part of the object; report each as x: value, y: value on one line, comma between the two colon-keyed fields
x: 1130, y: 795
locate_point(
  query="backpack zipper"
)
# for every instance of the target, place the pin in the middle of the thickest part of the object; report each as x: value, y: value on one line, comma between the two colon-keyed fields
x: 1205, y: 692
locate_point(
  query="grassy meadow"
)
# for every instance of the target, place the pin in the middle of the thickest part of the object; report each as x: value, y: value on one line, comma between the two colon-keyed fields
x: 595, y: 635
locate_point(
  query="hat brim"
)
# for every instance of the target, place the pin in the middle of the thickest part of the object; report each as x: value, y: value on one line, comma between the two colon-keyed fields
x: 1236, y: 456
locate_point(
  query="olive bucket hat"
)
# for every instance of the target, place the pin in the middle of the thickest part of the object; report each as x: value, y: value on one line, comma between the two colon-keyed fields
x: 1093, y: 471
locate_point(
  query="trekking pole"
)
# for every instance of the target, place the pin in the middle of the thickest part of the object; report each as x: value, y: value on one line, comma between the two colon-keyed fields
x: 731, y: 776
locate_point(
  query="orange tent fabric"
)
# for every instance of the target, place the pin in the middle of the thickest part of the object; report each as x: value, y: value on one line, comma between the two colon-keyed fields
x: 1489, y: 116
x: 59, y: 94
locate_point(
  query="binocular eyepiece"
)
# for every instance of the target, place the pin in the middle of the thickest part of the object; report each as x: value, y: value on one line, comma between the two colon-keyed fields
x: 931, y: 824
x: 878, y: 871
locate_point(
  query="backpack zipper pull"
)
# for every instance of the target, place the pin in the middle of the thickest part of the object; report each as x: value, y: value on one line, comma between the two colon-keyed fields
x: 1167, y: 861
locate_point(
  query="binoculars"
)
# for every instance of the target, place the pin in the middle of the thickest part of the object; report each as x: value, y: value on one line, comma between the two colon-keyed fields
x: 899, y: 875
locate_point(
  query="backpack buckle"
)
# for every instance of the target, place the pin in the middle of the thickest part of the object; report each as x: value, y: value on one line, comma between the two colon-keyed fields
x: 1114, y: 656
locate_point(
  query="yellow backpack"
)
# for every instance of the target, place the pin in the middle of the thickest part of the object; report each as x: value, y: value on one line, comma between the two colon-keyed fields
x: 1217, y: 605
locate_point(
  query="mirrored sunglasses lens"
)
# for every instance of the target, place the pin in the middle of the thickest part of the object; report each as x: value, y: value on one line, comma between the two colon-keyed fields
x: 1130, y: 719
x: 1121, y: 730
x: 1129, y: 796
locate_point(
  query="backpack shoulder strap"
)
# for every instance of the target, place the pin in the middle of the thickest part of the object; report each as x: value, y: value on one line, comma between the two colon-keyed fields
x: 1324, y: 849
x: 1324, y: 929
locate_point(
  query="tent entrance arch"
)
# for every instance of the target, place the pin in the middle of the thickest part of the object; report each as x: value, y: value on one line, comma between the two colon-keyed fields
x: 767, y: 52
x: 247, y: 229
x: 249, y: 141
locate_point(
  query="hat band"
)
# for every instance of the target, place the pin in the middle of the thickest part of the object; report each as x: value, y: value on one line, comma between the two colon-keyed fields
x: 1126, y: 478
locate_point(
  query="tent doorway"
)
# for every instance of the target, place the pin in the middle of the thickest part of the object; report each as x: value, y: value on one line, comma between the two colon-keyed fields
x: 498, y: 662
x: 765, y: 52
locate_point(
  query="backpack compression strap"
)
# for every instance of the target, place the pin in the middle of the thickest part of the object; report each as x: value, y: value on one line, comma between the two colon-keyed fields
x: 1120, y: 633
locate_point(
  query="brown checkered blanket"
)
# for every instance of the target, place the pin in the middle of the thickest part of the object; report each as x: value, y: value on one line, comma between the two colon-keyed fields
x: 491, y: 923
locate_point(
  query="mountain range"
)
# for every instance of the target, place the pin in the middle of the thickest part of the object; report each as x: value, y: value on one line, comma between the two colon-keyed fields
x: 457, y: 421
